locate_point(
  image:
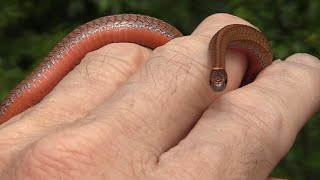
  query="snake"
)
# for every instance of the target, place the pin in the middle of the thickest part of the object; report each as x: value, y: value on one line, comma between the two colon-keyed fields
x: 146, y: 31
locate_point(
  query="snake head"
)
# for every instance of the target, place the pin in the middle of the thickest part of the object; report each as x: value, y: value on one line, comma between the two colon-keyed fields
x: 218, y: 79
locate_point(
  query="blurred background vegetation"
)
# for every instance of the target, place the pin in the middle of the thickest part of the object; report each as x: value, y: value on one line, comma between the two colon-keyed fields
x: 30, y: 28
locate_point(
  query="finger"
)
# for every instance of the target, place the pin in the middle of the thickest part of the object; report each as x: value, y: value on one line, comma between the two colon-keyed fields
x: 163, y: 100
x: 236, y: 63
x: 93, y: 81
x: 246, y: 132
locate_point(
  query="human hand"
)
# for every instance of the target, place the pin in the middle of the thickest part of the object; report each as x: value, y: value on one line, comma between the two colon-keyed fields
x: 127, y: 112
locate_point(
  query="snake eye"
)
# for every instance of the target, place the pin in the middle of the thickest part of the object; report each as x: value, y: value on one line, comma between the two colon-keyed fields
x: 218, y: 79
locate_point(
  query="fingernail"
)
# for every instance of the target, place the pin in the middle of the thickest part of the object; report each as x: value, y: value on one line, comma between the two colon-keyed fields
x: 305, y: 59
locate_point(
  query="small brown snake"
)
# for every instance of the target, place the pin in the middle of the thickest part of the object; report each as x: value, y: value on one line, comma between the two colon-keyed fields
x: 143, y: 30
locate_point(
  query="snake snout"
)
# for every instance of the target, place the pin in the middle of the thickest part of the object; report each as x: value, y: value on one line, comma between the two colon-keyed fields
x: 218, y: 79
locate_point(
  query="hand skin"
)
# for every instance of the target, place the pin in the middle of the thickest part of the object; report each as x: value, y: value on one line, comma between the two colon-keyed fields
x: 127, y: 112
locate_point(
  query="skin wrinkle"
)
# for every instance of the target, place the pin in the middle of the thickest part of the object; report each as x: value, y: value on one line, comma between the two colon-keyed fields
x: 180, y: 49
x: 126, y: 115
x: 189, y: 57
x: 187, y: 70
x: 215, y: 145
x: 251, y: 165
x: 300, y: 71
x: 63, y: 150
x: 121, y: 123
x: 256, y: 122
x: 8, y: 148
x: 184, y: 175
x: 229, y: 108
x: 112, y: 152
x: 163, y: 102
x: 184, y: 73
x: 291, y: 78
x: 256, y: 154
x: 125, y: 119
x: 140, y: 52
x: 250, y: 161
x: 92, y: 56
x: 180, y: 46
x: 189, y: 65
x: 147, y: 162
x: 109, y: 65
x: 43, y: 110
x: 159, y: 122
x: 176, y: 52
x: 150, y: 68
x: 27, y: 138
x: 205, y: 144
x: 196, y: 163
x: 9, y: 171
x: 151, y: 99
x: 274, y: 114
x: 70, y: 159
x: 45, y: 163
x: 185, y: 51
x: 168, y: 81
x: 229, y: 167
x: 87, y: 70
x: 134, y: 142
x: 87, y: 64
x: 122, y: 163
x: 124, y: 64
x: 30, y: 171
x: 74, y: 157
x: 148, y: 71
x: 174, y: 82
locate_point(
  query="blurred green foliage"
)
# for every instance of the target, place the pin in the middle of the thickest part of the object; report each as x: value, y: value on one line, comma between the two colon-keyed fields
x: 29, y: 29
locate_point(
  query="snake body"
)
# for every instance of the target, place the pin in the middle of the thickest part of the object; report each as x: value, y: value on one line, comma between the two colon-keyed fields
x: 139, y: 29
